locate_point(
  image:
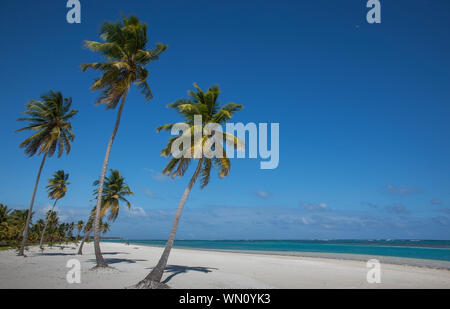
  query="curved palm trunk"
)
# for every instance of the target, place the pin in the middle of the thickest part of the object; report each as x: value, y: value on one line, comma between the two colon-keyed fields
x: 27, y: 224
x: 154, y: 277
x: 45, y: 227
x: 98, y: 254
x: 80, y: 250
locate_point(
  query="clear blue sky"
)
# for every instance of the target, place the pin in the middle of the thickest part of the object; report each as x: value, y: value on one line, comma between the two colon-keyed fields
x: 364, y: 113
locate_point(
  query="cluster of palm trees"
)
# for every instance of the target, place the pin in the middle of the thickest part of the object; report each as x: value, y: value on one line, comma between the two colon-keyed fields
x: 125, y: 52
x: 12, y: 224
x: 50, y: 230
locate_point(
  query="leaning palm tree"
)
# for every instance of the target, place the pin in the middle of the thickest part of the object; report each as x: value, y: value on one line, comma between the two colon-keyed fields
x: 49, y: 119
x: 57, y: 188
x: 125, y: 49
x: 204, y: 105
x: 79, y: 227
x: 115, y: 191
x: 87, y: 230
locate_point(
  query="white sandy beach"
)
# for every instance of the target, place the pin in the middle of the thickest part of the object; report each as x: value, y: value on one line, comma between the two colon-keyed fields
x: 205, y: 269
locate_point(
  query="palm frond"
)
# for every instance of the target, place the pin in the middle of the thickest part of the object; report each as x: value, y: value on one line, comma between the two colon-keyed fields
x: 49, y: 119
x: 206, y: 105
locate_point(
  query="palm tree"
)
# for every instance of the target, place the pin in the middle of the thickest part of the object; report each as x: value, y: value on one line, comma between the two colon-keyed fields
x: 57, y: 188
x: 36, y: 230
x: 18, y: 219
x: 4, y: 213
x: 87, y: 230
x: 4, y: 218
x: 125, y: 49
x: 53, y: 226
x: 49, y: 120
x: 105, y: 227
x: 207, y: 106
x: 79, y: 227
x: 115, y: 191
x: 71, y: 226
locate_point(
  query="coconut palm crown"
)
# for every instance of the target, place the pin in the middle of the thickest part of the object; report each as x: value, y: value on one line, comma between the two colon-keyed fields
x: 115, y: 191
x: 49, y: 119
x: 125, y: 49
x: 57, y: 185
x: 208, y: 107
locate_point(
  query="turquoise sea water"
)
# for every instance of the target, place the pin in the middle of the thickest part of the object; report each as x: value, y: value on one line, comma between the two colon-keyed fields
x: 419, y: 249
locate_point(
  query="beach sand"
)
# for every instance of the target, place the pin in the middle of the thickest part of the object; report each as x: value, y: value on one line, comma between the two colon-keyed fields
x: 192, y: 269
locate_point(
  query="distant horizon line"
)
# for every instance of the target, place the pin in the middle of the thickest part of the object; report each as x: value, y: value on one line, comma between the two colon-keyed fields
x: 291, y: 239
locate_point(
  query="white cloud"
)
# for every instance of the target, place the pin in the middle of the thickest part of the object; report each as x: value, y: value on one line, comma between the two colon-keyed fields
x: 263, y: 194
x: 136, y: 211
x: 314, y: 206
x: 401, y: 189
x: 306, y: 221
x: 396, y: 209
x: 157, y: 175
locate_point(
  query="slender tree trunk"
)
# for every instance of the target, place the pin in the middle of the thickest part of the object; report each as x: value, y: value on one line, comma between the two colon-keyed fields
x: 154, y: 277
x: 27, y: 224
x: 80, y: 250
x: 45, y: 227
x: 98, y: 254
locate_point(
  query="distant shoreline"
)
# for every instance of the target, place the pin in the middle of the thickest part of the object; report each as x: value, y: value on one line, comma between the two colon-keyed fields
x: 426, y: 263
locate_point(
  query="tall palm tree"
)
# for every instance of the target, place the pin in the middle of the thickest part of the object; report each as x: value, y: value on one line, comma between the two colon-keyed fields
x: 207, y: 106
x: 79, y: 227
x: 56, y: 188
x: 125, y: 49
x: 49, y: 119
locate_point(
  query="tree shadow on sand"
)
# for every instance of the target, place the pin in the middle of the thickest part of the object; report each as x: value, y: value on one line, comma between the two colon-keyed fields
x: 67, y: 253
x: 178, y: 269
x: 55, y: 253
x: 114, y: 253
x: 116, y: 261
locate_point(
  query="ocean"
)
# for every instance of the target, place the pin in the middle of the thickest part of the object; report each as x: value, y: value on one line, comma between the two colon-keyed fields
x: 418, y: 249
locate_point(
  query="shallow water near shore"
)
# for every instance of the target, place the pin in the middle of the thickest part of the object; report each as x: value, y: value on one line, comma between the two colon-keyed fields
x: 415, y: 249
